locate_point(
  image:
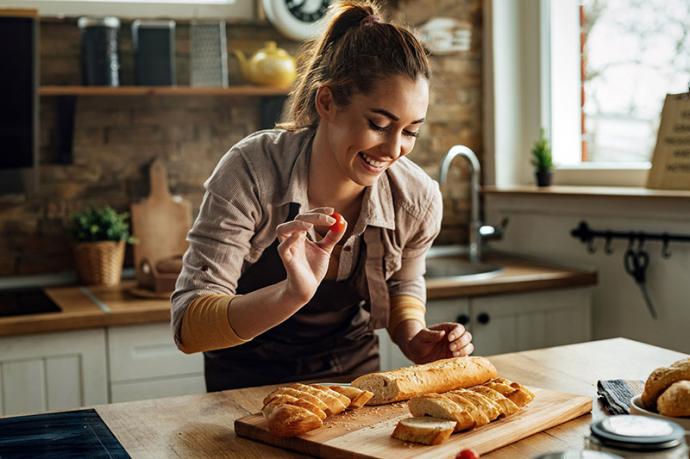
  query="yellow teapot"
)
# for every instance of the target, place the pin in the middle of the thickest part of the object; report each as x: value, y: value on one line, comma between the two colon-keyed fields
x: 270, y: 66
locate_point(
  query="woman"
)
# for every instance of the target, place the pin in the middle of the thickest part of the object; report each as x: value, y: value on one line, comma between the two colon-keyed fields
x: 272, y: 289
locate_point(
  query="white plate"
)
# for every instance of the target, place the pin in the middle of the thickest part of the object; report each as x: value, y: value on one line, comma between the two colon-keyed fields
x: 636, y: 408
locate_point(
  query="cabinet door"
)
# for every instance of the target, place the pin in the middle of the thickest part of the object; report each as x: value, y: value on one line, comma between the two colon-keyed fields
x: 145, y: 364
x: 52, y: 371
x: 518, y: 322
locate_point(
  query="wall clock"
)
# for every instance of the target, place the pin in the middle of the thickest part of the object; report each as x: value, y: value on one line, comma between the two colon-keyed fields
x: 297, y: 19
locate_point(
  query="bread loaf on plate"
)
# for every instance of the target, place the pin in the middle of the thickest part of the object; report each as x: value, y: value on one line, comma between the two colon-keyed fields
x: 661, y: 379
x: 439, y: 376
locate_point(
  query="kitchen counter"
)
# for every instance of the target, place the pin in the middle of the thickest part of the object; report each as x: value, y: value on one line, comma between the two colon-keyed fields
x: 202, y: 425
x: 92, y: 307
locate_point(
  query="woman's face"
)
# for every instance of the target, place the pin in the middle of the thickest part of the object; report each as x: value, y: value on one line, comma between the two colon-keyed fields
x: 367, y: 136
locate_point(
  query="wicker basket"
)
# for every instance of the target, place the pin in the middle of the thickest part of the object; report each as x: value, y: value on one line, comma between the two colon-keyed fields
x: 100, y: 263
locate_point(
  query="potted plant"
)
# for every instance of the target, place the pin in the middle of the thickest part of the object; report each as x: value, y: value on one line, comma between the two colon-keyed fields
x: 100, y: 235
x: 542, y: 160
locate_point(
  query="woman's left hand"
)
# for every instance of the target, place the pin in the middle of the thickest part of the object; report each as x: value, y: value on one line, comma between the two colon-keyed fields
x: 439, y: 341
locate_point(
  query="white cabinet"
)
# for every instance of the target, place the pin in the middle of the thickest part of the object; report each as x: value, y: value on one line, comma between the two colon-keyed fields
x: 52, y: 371
x: 520, y: 321
x: 511, y: 323
x: 145, y: 363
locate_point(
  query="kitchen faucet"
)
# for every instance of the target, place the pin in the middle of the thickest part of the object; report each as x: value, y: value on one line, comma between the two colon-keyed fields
x: 477, y: 230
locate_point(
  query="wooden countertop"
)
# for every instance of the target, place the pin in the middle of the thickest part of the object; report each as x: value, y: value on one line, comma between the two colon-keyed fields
x: 202, y: 425
x: 91, y: 307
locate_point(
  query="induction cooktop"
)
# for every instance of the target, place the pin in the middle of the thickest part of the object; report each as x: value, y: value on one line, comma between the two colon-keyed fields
x: 65, y: 435
x: 21, y: 301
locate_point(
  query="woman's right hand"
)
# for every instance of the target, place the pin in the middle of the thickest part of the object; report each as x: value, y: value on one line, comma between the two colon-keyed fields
x: 306, y: 261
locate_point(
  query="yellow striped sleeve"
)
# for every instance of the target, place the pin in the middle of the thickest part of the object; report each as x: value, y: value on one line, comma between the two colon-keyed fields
x: 205, y: 325
x: 405, y: 307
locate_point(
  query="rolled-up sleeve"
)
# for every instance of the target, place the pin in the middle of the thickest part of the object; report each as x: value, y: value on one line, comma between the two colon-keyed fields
x: 221, y: 236
x: 409, y: 279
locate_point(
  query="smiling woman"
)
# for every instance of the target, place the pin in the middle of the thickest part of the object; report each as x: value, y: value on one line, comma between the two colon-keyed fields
x: 277, y: 286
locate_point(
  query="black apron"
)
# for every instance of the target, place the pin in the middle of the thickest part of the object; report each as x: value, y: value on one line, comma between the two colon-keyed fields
x: 332, y: 335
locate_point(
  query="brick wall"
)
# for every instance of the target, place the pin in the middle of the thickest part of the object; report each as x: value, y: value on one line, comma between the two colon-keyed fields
x: 115, y: 138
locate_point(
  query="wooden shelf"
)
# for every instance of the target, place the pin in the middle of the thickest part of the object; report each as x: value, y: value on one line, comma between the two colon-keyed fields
x: 161, y: 90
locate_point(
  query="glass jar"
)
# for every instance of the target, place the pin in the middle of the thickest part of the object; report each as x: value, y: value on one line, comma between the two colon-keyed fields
x: 99, y: 61
x: 637, y: 437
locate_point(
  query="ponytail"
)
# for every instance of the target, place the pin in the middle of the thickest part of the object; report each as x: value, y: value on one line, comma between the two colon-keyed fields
x: 356, y: 50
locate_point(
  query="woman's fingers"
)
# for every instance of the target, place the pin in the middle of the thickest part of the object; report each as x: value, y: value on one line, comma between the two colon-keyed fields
x: 316, y: 218
x: 287, y: 243
x: 467, y: 350
x: 332, y: 237
x: 285, y: 230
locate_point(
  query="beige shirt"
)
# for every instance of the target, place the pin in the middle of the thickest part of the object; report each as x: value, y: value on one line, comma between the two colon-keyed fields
x: 248, y: 196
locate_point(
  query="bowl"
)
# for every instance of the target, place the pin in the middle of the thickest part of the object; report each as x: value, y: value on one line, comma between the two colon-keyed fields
x: 637, y: 408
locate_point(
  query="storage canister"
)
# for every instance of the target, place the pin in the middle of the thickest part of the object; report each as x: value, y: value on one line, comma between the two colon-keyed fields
x: 99, y: 47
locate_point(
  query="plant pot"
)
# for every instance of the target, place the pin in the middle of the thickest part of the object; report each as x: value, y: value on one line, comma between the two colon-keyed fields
x: 543, y: 177
x: 100, y: 263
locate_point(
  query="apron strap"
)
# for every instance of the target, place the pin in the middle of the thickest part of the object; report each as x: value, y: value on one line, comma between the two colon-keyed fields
x: 378, y: 289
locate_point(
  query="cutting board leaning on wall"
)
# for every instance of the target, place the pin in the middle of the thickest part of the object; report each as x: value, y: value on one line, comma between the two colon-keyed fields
x: 160, y: 222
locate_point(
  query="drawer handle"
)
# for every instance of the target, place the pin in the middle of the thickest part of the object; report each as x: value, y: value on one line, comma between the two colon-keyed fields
x: 483, y: 318
x: 463, y: 319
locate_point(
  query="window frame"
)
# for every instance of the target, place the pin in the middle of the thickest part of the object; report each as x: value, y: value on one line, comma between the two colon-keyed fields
x: 516, y: 110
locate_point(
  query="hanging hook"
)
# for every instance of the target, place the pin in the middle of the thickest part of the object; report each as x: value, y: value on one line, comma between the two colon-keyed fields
x: 590, y: 245
x: 640, y: 242
x: 665, y: 252
x: 607, y: 247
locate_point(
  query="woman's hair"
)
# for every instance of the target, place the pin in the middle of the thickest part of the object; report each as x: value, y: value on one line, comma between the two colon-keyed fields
x: 355, y: 51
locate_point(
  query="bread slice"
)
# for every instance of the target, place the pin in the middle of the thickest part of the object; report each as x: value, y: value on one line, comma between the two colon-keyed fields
x: 488, y: 406
x: 439, y: 376
x: 480, y: 418
x: 516, y: 392
x: 439, y: 406
x: 333, y: 403
x: 345, y: 400
x: 507, y: 406
x: 358, y: 397
x: 290, y: 400
x: 283, y: 390
x: 425, y: 430
x: 675, y: 401
x: 290, y: 421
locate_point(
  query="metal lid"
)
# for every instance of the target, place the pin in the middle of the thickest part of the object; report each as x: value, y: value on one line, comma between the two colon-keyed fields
x: 637, y: 433
x: 153, y: 23
x: 579, y: 454
x: 108, y: 21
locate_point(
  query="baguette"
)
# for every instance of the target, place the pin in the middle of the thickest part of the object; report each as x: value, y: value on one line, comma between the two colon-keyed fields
x: 297, y: 394
x: 290, y: 420
x: 290, y: 400
x: 440, y: 406
x: 344, y: 399
x: 334, y: 404
x: 425, y: 430
x: 661, y: 379
x: 466, y: 408
x: 358, y: 397
x: 439, y: 376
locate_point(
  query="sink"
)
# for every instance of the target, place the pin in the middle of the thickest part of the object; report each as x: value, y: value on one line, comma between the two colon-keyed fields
x: 452, y: 262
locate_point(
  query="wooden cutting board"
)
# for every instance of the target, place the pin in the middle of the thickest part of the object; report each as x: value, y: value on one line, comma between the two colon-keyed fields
x: 366, y: 432
x: 161, y: 221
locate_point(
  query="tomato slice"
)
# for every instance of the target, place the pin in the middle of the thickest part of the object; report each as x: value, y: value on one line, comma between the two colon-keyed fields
x: 339, y: 225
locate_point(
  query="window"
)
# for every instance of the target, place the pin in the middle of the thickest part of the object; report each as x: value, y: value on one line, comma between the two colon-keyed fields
x: 220, y: 9
x: 619, y: 58
x: 635, y: 52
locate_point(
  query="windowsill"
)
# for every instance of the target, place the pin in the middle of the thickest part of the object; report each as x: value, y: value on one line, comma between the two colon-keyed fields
x: 602, y: 175
x: 588, y: 192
